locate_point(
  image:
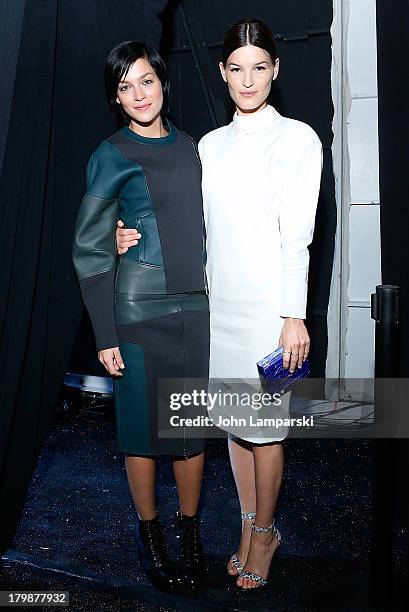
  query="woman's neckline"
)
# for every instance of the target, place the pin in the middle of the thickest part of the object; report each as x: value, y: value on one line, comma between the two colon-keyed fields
x: 155, y: 142
x: 254, y: 123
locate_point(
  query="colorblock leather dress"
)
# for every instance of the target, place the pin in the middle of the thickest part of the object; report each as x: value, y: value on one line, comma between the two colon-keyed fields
x: 151, y: 301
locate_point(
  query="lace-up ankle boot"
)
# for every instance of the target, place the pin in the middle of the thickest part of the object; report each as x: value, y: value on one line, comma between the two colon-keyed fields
x: 192, y: 561
x: 154, y: 555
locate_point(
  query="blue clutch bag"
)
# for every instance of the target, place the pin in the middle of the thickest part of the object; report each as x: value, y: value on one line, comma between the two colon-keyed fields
x: 274, y: 377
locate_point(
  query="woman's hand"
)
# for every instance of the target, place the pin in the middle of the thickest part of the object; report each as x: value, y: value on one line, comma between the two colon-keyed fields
x: 111, y: 360
x: 125, y: 238
x: 296, y: 342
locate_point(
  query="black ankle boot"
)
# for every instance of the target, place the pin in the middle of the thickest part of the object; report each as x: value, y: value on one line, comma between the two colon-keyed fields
x: 192, y: 562
x: 154, y: 555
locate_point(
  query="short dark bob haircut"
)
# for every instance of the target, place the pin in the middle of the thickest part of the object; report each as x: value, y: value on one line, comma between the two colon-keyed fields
x: 249, y: 32
x: 119, y: 61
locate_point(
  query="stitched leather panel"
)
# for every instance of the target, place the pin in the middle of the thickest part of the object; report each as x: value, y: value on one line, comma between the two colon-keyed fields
x: 94, y: 246
x: 129, y: 309
x: 134, y: 277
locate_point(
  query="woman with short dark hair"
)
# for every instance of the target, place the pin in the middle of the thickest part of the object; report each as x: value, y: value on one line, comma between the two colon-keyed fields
x: 149, y: 309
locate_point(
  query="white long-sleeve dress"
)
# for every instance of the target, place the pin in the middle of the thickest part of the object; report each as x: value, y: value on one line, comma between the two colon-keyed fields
x: 261, y: 181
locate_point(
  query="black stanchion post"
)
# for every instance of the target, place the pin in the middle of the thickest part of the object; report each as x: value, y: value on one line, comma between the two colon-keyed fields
x: 385, y: 311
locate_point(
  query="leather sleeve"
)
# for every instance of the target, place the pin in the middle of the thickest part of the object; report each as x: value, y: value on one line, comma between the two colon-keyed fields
x: 94, y: 247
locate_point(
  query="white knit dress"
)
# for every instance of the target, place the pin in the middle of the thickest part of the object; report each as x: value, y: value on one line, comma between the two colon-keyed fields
x: 261, y: 181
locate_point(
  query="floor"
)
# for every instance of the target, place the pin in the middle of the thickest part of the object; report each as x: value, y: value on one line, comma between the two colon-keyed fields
x: 76, y: 532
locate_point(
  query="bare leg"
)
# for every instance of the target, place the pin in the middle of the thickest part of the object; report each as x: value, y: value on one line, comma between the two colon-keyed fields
x: 188, y: 475
x: 242, y: 463
x: 141, y: 479
x: 268, y: 463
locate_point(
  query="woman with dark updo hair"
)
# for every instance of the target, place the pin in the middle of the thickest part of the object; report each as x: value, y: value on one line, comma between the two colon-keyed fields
x: 261, y: 181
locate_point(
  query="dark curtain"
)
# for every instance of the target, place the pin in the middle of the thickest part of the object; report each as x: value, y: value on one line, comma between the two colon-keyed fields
x: 393, y: 121
x: 53, y: 113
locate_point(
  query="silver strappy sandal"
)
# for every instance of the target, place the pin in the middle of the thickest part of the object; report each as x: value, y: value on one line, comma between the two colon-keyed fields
x: 245, y: 516
x: 251, y: 575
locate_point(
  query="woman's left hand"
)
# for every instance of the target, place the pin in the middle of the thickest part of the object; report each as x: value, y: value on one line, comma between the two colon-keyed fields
x: 296, y: 342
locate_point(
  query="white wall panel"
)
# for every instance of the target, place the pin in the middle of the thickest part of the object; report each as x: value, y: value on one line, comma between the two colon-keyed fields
x: 361, y: 52
x: 363, y: 150
x: 364, y: 252
x: 360, y: 342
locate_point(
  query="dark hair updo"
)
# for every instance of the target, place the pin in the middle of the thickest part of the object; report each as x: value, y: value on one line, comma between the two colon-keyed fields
x: 249, y: 32
x: 119, y: 61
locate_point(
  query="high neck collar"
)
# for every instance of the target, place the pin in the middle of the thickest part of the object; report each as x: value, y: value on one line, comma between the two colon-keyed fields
x: 254, y: 123
x: 155, y: 142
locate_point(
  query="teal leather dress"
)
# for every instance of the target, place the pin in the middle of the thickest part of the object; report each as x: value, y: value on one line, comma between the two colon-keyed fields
x: 152, y: 301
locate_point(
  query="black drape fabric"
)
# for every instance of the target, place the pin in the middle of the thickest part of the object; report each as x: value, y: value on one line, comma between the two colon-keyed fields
x: 23, y: 184
x: 53, y: 114
x: 393, y: 131
x: 393, y: 121
x: 11, y: 20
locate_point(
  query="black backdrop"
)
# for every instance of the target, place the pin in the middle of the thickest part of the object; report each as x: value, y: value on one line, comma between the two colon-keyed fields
x: 392, y: 457
x: 393, y: 119
x: 53, y: 114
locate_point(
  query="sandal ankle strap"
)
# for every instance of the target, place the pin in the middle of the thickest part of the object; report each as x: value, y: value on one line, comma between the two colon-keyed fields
x: 248, y: 516
x: 271, y: 527
x: 259, y: 529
